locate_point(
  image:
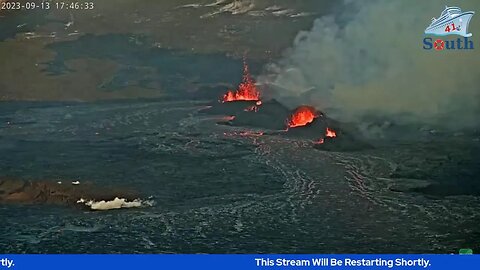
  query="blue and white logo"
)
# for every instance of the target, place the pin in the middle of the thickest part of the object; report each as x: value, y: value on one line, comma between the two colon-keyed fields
x: 452, y: 21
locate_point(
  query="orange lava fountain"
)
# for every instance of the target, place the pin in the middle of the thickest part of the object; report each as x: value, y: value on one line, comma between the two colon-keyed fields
x: 247, y: 90
x: 302, y: 116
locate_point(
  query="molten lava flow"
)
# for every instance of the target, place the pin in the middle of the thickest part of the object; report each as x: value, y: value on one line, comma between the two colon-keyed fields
x: 302, y: 116
x: 247, y: 90
x: 320, y: 141
x: 330, y: 133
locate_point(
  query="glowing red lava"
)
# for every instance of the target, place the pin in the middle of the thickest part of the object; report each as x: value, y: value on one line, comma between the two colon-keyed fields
x: 247, y: 90
x: 302, y: 116
x: 320, y: 141
x: 330, y: 133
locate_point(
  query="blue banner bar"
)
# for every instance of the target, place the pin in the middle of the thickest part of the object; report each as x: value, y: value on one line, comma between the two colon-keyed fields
x: 243, y: 262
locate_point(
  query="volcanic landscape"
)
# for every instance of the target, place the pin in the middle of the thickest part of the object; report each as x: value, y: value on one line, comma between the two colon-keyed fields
x: 95, y: 159
x: 237, y: 174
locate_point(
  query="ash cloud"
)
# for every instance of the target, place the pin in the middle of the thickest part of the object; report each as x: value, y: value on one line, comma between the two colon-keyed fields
x: 368, y: 59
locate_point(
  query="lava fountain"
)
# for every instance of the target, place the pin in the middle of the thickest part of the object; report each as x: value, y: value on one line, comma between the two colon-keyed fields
x: 247, y: 90
x: 302, y: 116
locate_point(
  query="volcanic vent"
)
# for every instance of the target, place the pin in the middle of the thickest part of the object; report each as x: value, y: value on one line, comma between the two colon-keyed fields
x: 245, y: 107
x: 247, y: 90
x: 302, y: 116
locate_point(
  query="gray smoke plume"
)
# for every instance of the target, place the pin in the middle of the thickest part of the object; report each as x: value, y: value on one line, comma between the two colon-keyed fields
x: 369, y: 58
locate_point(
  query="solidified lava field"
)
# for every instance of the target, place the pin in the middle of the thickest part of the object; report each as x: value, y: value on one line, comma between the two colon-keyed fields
x: 219, y: 188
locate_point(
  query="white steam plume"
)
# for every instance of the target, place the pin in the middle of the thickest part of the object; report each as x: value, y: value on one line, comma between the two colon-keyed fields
x: 369, y: 59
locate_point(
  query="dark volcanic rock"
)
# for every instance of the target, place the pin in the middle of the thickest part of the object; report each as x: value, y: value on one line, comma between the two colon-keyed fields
x: 344, y: 142
x: 451, y: 167
x: 66, y: 193
x: 274, y: 116
x: 270, y: 114
x: 408, y: 185
x: 453, y: 189
x: 228, y: 108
